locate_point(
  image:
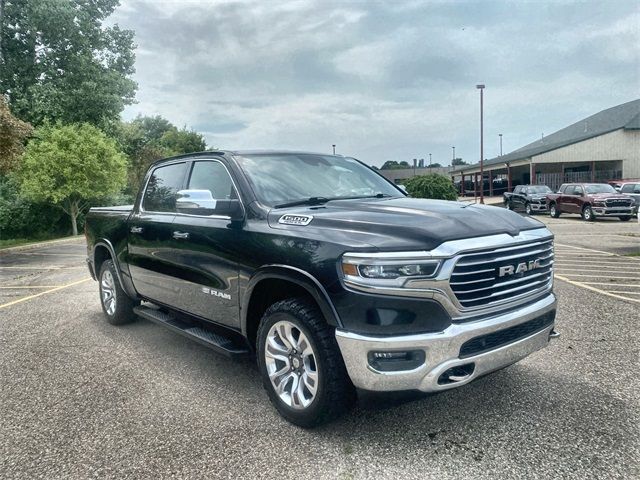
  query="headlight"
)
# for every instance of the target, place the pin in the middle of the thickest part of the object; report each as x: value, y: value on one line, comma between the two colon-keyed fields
x: 392, y: 271
x: 387, y: 270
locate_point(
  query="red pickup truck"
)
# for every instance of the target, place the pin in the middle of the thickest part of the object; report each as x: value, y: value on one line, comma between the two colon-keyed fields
x: 590, y: 200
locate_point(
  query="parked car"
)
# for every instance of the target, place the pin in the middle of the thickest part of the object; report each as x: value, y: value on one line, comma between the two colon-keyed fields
x: 327, y: 273
x: 530, y: 198
x: 590, y: 200
x: 632, y: 190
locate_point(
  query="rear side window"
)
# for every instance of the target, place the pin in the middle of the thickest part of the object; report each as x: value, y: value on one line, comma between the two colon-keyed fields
x: 630, y: 188
x: 212, y: 176
x: 161, y: 192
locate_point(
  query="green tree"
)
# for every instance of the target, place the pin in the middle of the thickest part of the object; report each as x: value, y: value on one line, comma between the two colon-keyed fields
x: 147, y: 139
x: 13, y: 133
x: 434, y: 165
x: 393, y: 165
x: 458, y: 161
x: 59, y: 61
x: 431, y: 185
x: 70, y: 166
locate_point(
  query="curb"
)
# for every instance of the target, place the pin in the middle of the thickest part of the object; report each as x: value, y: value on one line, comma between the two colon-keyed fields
x: 29, y: 246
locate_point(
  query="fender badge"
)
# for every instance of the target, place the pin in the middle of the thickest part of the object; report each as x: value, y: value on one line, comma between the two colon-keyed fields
x: 295, y: 219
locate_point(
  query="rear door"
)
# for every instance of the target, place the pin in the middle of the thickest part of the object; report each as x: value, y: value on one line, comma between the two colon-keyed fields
x: 206, y: 249
x: 150, y: 238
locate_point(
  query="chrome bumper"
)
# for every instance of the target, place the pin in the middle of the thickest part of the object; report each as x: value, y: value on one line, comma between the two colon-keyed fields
x: 442, y: 350
x: 612, y: 211
x: 538, y: 207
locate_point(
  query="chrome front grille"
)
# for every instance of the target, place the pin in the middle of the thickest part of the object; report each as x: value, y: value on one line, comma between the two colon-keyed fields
x: 526, y: 269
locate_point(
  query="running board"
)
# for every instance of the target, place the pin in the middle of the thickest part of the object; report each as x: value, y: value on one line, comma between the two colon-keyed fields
x: 215, y: 341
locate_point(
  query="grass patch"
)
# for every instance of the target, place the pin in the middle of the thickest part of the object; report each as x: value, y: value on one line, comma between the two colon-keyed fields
x: 634, y: 254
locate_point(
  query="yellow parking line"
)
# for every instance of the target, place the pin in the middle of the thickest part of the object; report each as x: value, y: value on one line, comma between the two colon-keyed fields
x: 594, y: 289
x: 53, y: 254
x: 24, y: 299
x: 31, y: 286
x: 626, y: 293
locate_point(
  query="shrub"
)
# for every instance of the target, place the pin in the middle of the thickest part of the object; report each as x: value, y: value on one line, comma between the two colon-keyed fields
x: 432, y: 185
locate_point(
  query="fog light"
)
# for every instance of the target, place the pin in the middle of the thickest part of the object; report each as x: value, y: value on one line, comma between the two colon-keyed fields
x: 393, y: 361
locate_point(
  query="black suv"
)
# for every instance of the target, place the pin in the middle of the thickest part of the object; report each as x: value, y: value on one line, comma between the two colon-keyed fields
x: 327, y: 273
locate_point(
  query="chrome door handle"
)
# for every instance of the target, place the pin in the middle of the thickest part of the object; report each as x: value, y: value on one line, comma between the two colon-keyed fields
x: 180, y: 235
x: 136, y: 230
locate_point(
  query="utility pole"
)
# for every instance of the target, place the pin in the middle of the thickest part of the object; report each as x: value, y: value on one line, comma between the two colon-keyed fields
x: 481, y: 88
x: 454, y: 155
x: 500, y: 135
x: 429, y: 160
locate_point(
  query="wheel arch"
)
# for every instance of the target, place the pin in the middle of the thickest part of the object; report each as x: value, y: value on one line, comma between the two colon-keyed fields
x: 276, y: 282
x: 103, y: 250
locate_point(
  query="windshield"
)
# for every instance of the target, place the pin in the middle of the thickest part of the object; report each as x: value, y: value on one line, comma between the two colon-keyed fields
x: 281, y: 178
x: 603, y: 188
x: 539, y: 189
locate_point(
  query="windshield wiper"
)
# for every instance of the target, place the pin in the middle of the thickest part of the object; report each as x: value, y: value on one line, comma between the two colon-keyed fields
x: 323, y: 200
x: 304, y: 201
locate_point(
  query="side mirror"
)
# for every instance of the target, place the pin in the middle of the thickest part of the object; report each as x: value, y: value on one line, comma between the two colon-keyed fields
x: 201, y: 202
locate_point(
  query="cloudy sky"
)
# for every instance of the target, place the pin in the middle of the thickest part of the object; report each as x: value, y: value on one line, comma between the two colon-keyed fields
x: 384, y: 80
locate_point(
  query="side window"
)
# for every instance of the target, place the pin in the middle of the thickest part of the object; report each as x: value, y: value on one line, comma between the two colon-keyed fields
x: 577, y: 190
x: 628, y: 188
x: 160, y: 195
x: 562, y: 189
x: 212, y: 176
x: 518, y: 189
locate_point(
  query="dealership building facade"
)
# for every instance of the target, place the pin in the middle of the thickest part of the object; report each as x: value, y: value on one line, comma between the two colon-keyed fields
x: 602, y: 147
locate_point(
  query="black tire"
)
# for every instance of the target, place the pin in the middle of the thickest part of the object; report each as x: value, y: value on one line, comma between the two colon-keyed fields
x: 122, y: 312
x: 334, y: 391
x: 527, y: 209
x: 587, y: 214
x: 625, y: 218
x: 553, y: 211
x: 509, y: 205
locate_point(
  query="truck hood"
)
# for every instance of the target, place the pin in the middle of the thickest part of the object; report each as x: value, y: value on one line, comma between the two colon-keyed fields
x: 601, y: 197
x: 403, y: 223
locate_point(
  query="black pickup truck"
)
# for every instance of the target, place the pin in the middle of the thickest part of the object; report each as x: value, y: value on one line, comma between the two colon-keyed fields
x: 326, y: 273
x: 530, y: 198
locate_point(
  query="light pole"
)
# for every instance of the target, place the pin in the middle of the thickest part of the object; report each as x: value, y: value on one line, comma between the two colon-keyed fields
x: 500, y: 135
x: 454, y: 155
x: 481, y: 88
x: 334, y: 149
x: 429, y: 160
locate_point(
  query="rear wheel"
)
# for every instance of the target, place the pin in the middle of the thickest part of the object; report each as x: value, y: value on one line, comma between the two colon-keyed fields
x: 300, y: 364
x: 553, y: 211
x: 587, y: 214
x: 625, y: 218
x: 116, y: 304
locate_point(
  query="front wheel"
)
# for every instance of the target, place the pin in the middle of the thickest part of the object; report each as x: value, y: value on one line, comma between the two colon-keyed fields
x: 116, y: 304
x: 300, y: 364
x: 553, y: 211
x: 527, y: 209
x: 625, y: 218
x: 587, y: 214
x: 509, y: 205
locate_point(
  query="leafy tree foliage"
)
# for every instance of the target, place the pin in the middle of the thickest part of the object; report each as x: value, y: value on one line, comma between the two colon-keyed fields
x: 69, y: 165
x: 147, y: 139
x: 393, y: 165
x: 434, y: 165
x: 458, y: 161
x: 13, y: 133
x: 431, y: 185
x: 59, y: 61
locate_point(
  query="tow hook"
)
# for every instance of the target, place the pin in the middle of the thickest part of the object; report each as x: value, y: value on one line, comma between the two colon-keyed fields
x: 553, y: 334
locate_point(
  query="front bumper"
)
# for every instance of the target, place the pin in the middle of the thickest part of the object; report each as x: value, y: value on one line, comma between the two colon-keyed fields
x: 612, y: 211
x: 538, y: 207
x: 442, y: 351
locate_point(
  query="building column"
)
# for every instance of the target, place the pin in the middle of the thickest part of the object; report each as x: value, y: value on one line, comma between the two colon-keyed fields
x: 593, y: 171
x: 462, y: 186
x: 532, y: 174
x: 508, y: 177
x: 491, y: 183
x: 475, y: 187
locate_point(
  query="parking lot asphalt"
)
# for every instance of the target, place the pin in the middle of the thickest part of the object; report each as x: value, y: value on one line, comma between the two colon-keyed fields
x: 80, y: 398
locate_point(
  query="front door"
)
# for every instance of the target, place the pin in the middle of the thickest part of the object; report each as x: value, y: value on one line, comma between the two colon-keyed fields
x: 205, y: 249
x: 150, y: 235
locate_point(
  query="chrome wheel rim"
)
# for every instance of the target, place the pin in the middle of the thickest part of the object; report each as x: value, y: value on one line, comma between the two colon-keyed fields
x: 291, y: 365
x: 108, y: 290
x: 552, y: 211
x: 528, y: 210
x: 587, y: 213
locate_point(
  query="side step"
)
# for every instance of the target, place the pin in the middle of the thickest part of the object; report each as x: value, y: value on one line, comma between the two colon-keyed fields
x: 215, y: 341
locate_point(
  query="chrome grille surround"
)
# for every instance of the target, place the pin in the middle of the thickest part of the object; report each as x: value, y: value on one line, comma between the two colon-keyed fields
x: 449, y: 253
x: 618, y: 202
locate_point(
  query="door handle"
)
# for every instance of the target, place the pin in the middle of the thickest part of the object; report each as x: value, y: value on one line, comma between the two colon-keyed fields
x: 180, y: 235
x: 136, y: 230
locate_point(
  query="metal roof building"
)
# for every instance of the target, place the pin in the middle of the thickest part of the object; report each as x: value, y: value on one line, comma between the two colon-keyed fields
x: 602, y: 147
